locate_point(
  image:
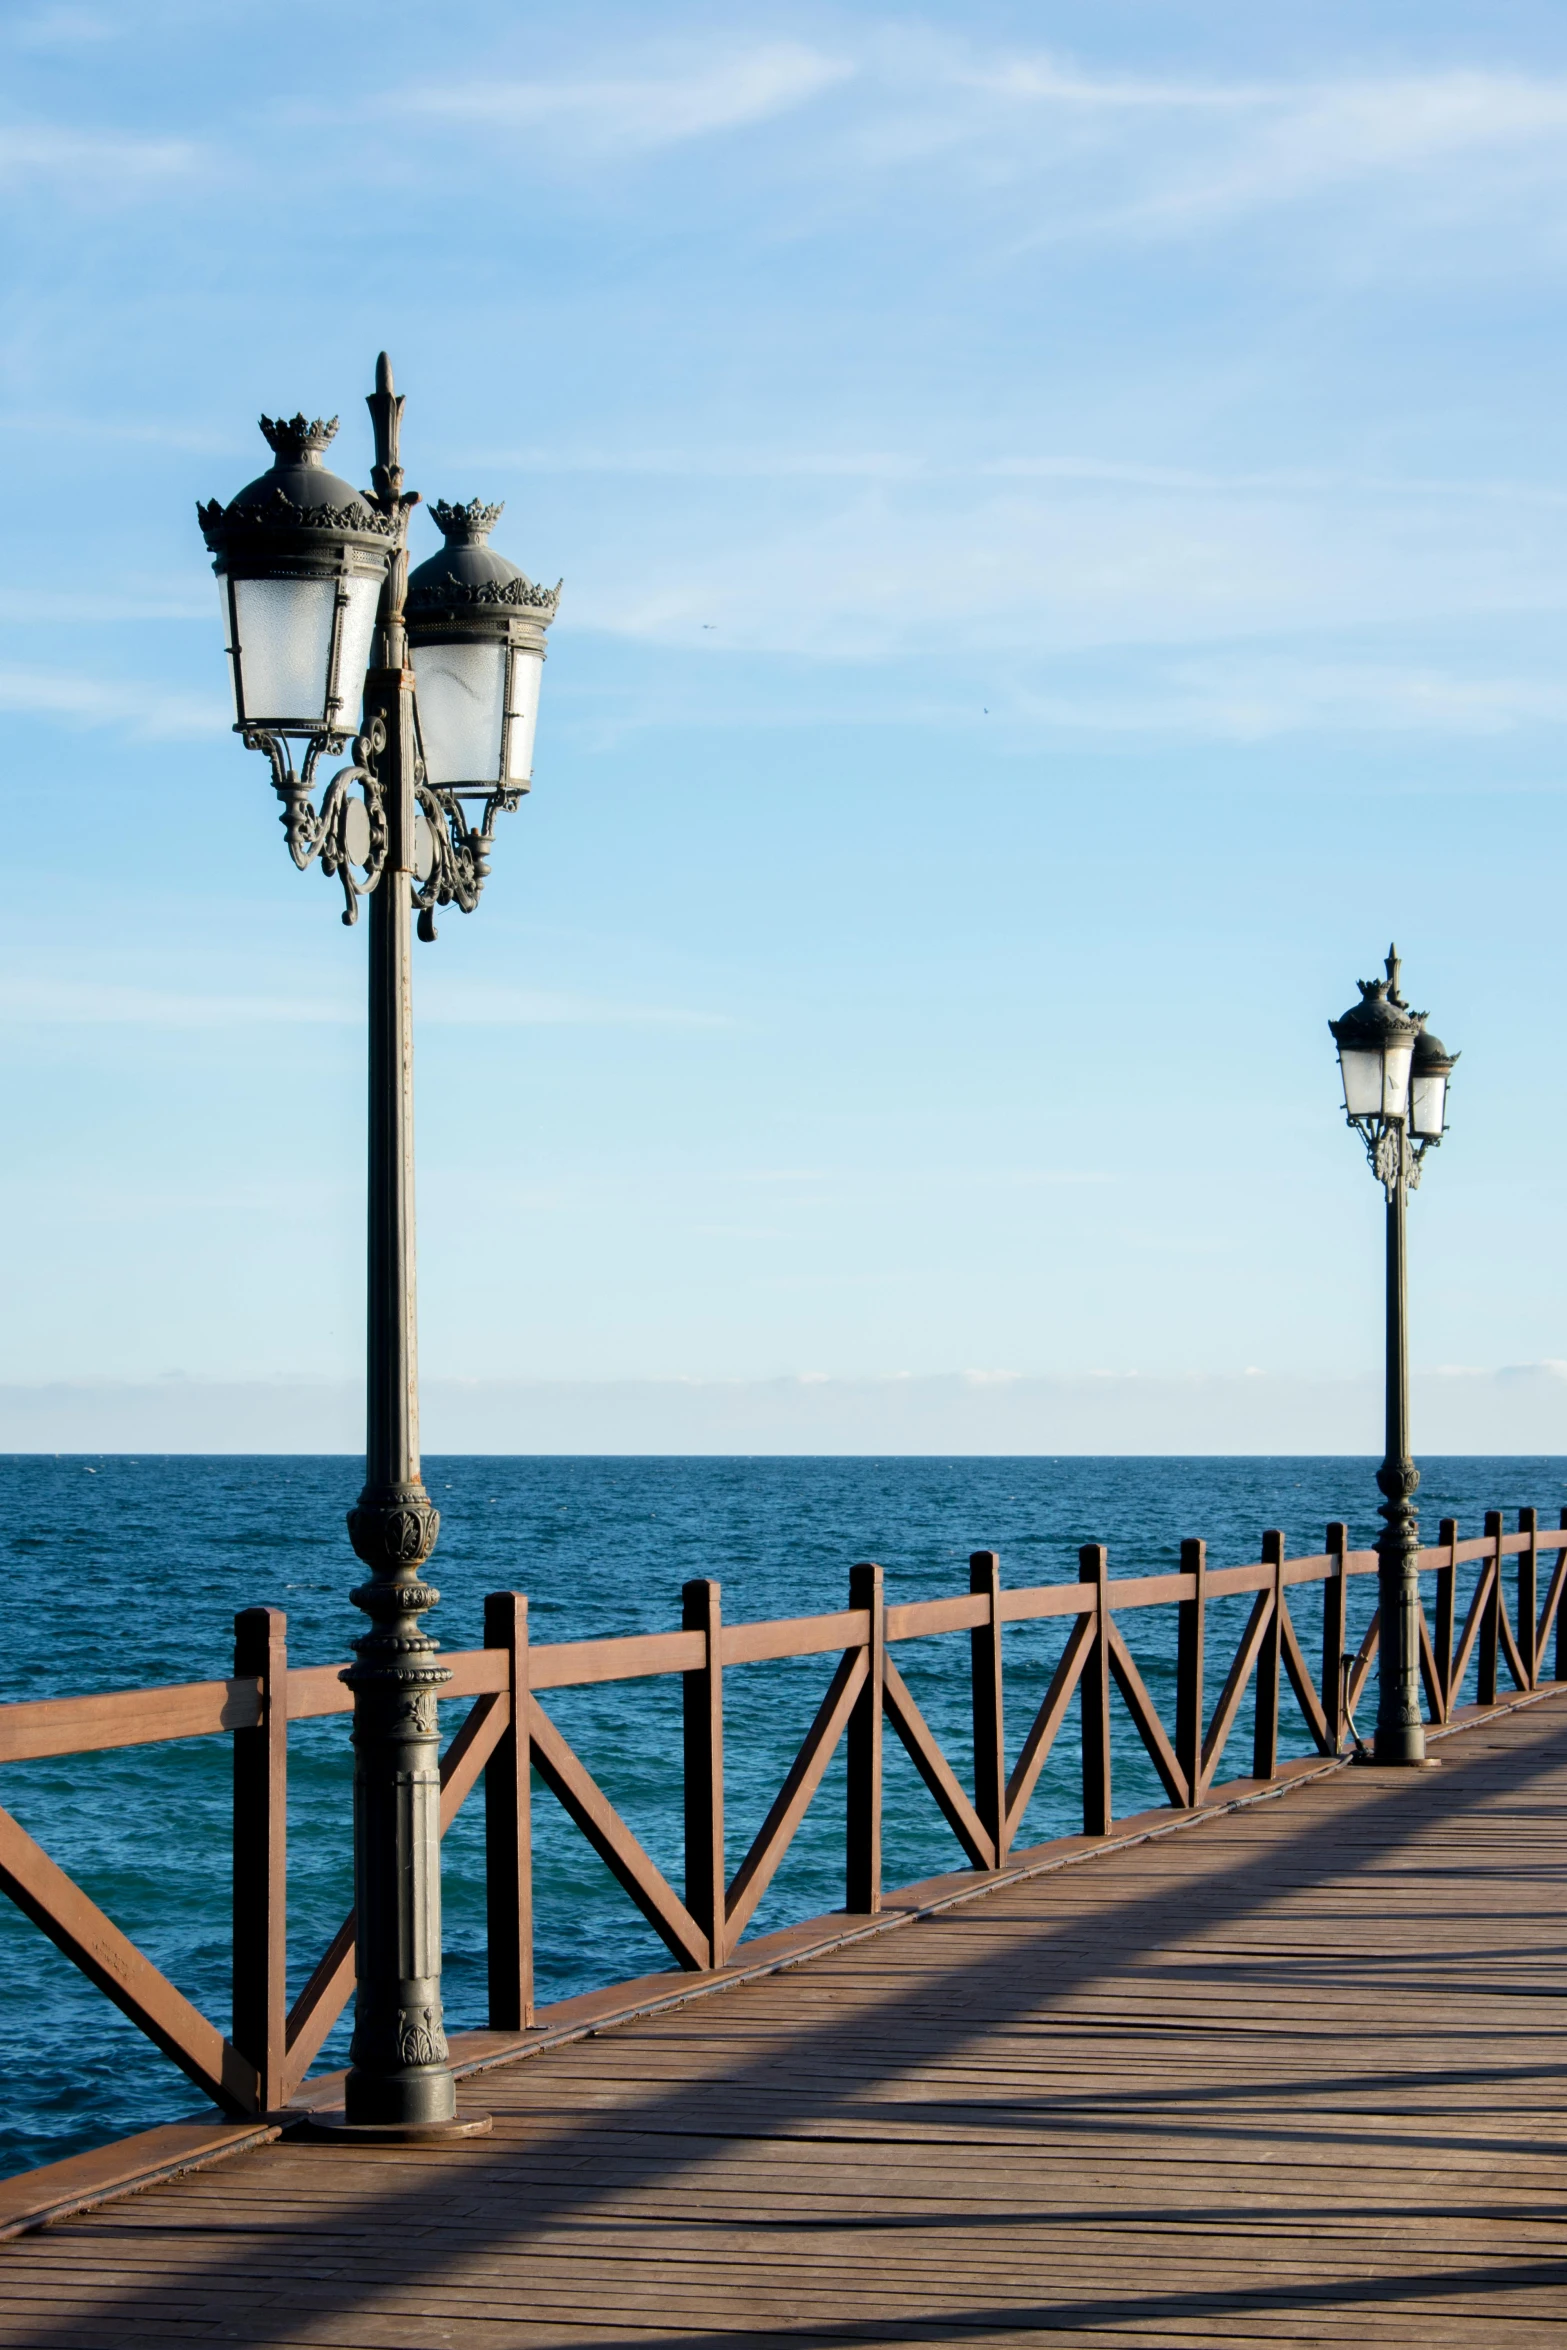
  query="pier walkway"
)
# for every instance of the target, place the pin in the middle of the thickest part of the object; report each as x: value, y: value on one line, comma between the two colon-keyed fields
x: 1291, y: 2072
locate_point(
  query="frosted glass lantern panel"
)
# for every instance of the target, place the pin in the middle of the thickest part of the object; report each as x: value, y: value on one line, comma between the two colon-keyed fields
x: 527, y: 671
x: 1429, y: 1105
x: 1395, y: 1078
x: 461, y: 704
x: 353, y: 658
x: 1362, y: 1082
x: 285, y: 646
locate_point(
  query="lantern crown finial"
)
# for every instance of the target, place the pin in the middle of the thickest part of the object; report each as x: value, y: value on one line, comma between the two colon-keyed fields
x: 1379, y: 1019
x: 465, y: 526
x: 298, y: 440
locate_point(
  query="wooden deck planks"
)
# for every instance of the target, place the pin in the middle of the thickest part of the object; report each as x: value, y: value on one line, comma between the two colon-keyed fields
x: 1293, y: 2076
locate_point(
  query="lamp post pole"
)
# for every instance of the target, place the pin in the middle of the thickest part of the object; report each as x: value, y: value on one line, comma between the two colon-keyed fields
x: 1395, y: 1096
x: 1400, y: 1733
x: 320, y: 612
x: 399, y: 2075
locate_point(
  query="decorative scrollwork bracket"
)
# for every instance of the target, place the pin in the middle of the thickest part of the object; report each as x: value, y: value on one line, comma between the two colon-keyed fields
x: 459, y: 848
x: 349, y: 835
x: 1385, y: 1150
x: 1393, y: 1153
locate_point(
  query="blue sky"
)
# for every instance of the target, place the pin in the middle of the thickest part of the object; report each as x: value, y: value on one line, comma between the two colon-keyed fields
x: 1062, y: 511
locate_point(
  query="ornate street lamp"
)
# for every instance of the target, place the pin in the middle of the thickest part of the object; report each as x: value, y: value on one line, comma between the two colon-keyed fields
x: 1395, y: 1096
x: 321, y: 626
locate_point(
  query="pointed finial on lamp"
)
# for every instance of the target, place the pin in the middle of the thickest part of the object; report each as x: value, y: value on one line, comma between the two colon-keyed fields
x: 386, y: 414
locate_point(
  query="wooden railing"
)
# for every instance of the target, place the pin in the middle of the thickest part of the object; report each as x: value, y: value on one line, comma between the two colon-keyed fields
x: 272, y: 2044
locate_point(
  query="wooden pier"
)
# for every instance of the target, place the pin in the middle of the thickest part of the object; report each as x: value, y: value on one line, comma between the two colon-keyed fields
x: 1292, y: 2072
x: 1283, y: 2062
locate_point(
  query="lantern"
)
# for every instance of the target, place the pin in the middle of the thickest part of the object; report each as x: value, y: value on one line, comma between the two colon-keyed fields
x: 1431, y: 1069
x: 1376, y: 1043
x: 300, y: 557
x: 476, y: 640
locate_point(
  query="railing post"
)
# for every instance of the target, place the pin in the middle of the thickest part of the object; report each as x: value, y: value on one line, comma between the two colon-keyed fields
x: 1528, y: 1597
x: 1190, y: 1638
x: 1561, y: 1622
x: 863, y: 1870
x: 702, y: 1701
x: 260, y: 2027
x: 990, y: 1753
x: 1486, y: 1692
x: 1446, y: 1612
x: 1265, y: 1730
x: 508, y: 1829
x: 1093, y: 1566
x: 1335, y: 1593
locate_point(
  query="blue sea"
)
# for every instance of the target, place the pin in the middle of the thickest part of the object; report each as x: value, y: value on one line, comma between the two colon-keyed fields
x: 127, y: 1572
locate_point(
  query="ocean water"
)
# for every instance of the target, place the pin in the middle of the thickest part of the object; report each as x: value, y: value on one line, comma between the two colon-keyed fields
x: 126, y: 1572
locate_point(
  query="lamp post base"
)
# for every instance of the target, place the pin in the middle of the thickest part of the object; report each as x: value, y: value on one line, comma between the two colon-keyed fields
x: 1403, y: 1748
x: 332, y: 2122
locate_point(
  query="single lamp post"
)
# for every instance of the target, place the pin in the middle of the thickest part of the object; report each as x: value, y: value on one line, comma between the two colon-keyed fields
x: 1395, y: 1096
x: 435, y: 681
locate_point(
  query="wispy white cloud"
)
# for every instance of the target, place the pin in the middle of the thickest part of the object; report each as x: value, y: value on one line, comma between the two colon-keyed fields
x: 1235, y: 692
x: 128, y: 599
x: 452, y: 1003
x: 1338, y: 139
x: 759, y: 461
x: 1051, y: 81
x: 1003, y: 568
x: 75, y: 1003
x: 637, y: 111
x: 776, y: 461
x: 1019, y: 560
x: 929, y: 1175
x: 155, y: 713
x: 1151, y: 154
x: 91, y: 162
x: 151, y: 432
x: 61, y: 28
x: 1355, y: 118
x: 1098, y: 151
x: 1242, y: 699
x: 72, y: 1003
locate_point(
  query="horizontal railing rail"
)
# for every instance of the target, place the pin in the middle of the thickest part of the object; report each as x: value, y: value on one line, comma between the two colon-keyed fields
x: 507, y: 1737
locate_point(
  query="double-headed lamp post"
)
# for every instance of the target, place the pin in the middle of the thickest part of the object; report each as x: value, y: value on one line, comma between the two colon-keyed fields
x: 1395, y: 1076
x: 433, y: 678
